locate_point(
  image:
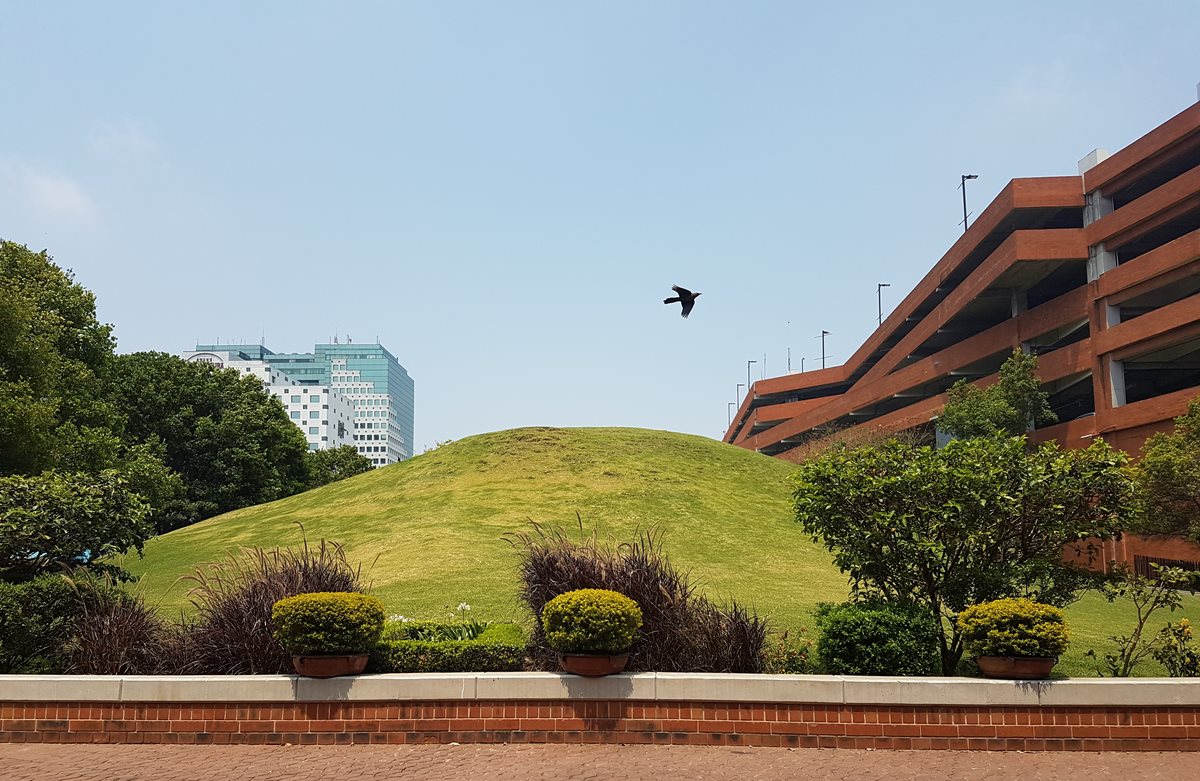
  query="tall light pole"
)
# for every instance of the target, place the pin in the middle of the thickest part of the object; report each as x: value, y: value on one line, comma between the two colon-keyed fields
x: 729, y: 405
x: 738, y: 395
x: 824, y: 333
x: 879, y: 295
x: 963, y: 184
x: 748, y: 375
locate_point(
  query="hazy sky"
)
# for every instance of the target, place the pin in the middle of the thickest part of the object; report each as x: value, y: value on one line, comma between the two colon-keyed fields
x: 504, y: 192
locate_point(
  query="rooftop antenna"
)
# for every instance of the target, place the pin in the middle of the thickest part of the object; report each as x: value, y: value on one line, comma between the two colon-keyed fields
x: 349, y: 340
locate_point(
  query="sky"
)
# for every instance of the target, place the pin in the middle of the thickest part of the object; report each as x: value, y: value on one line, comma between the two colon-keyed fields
x: 503, y: 193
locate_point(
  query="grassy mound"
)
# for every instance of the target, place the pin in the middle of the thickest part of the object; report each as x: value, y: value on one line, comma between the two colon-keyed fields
x: 428, y: 530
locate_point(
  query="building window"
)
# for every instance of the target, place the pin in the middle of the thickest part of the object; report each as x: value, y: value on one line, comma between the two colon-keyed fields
x: 315, y: 399
x: 314, y: 430
x: 295, y: 399
x: 295, y: 415
x: 314, y: 414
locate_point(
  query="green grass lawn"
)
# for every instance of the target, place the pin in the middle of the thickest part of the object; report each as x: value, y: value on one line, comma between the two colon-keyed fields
x: 428, y: 531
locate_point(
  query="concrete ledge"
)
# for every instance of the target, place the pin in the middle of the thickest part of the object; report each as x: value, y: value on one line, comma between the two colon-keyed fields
x: 556, y: 686
x: 666, y: 687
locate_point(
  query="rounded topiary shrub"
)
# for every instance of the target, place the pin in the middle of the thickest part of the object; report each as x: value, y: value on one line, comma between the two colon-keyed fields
x: 591, y: 621
x: 877, y: 638
x: 1013, y: 627
x: 328, y: 623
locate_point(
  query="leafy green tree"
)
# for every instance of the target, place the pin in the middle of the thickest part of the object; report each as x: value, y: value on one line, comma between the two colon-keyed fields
x: 54, y: 355
x: 1169, y: 478
x: 335, y: 463
x: 57, y: 520
x: 231, y: 443
x: 1011, y: 405
x: 977, y: 520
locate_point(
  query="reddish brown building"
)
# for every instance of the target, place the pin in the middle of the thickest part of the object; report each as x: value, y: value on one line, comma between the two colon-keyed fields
x: 1098, y: 274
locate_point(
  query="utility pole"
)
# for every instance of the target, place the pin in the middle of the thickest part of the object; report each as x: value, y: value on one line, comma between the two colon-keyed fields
x: 963, y: 184
x: 824, y: 333
x: 879, y: 295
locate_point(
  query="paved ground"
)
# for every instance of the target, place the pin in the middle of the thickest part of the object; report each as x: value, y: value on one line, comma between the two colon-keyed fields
x: 20, y: 762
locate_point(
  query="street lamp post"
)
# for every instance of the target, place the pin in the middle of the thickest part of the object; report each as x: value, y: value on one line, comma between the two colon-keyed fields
x: 748, y: 375
x: 879, y: 295
x: 824, y: 333
x: 963, y: 184
x: 729, y: 405
x: 738, y: 395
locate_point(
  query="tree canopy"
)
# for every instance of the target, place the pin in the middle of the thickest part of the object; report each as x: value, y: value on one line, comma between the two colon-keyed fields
x: 1169, y: 476
x: 1011, y: 405
x: 977, y: 520
x: 335, y: 463
x: 230, y: 441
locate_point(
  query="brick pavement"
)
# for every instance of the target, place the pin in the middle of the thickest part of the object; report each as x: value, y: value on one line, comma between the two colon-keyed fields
x: 43, y: 762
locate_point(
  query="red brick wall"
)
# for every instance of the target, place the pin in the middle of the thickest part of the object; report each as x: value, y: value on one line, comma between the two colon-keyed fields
x: 596, y: 721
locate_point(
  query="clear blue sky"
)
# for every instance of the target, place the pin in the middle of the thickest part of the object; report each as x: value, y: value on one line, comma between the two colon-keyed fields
x: 503, y: 193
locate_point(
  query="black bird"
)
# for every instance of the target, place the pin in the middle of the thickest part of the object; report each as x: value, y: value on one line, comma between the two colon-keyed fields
x: 685, y: 297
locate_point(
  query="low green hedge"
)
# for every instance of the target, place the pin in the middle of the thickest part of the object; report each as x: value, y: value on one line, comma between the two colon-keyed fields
x: 500, y: 648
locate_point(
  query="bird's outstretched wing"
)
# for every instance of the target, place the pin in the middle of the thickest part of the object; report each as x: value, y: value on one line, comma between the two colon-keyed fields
x: 687, y: 306
x: 682, y: 291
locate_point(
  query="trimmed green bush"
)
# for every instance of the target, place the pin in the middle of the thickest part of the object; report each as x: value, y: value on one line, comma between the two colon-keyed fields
x: 591, y: 621
x: 328, y: 623
x: 1013, y: 627
x: 877, y: 638
x: 499, y: 648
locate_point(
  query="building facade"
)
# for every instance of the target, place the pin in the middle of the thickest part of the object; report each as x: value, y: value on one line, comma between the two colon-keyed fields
x: 1097, y: 274
x: 369, y: 395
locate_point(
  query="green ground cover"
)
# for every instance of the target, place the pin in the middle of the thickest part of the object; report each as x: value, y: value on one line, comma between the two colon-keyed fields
x: 429, y: 530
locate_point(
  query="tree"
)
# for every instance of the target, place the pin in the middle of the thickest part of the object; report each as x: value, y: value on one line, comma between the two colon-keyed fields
x: 977, y: 520
x: 229, y: 440
x: 54, y: 355
x: 57, y: 520
x: 1011, y: 406
x: 1169, y: 479
x: 335, y: 463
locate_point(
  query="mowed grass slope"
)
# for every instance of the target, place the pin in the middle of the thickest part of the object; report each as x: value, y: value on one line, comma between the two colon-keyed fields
x: 429, y: 530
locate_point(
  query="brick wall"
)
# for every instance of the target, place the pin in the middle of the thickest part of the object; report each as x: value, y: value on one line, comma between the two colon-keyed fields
x: 1086, y: 728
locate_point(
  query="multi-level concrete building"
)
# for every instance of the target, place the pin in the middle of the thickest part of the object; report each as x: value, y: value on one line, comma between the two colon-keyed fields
x: 368, y: 393
x: 1098, y: 274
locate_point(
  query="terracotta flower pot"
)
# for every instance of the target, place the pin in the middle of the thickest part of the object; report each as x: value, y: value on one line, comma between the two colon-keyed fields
x: 1019, y: 667
x: 593, y: 665
x: 329, y: 666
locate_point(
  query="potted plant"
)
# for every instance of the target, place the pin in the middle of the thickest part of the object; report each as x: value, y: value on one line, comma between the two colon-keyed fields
x: 1013, y: 638
x: 328, y: 634
x: 592, y: 630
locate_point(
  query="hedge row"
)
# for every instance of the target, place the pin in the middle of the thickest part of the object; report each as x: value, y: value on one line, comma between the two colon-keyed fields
x: 500, y: 648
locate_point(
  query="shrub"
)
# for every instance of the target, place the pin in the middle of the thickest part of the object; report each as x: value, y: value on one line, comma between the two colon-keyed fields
x: 877, y: 638
x: 785, y: 655
x: 681, y: 630
x: 1013, y: 627
x: 591, y: 621
x: 121, y: 638
x: 499, y: 648
x: 328, y: 623
x: 1175, y: 651
x: 38, y: 618
x: 232, y: 633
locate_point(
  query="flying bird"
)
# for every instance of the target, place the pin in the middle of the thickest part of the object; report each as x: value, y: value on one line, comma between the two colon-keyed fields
x: 686, y: 297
